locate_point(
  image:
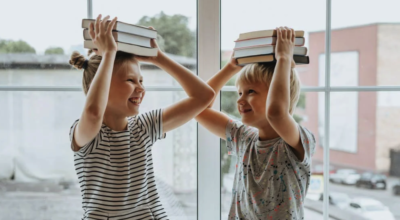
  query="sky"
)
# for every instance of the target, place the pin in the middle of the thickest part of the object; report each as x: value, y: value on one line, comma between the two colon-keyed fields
x: 47, y: 23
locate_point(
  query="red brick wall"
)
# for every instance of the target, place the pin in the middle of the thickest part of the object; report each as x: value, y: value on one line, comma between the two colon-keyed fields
x: 364, y: 40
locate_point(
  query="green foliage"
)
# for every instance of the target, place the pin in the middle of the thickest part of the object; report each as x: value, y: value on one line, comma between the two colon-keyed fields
x: 177, y: 38
x: 54, y: 50
x: 10, y: 46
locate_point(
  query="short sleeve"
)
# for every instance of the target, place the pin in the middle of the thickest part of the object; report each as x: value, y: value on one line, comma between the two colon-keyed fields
x: 236, y: 133
x: 152, y: 122
x: 87, y: 148
x: 308, y: 142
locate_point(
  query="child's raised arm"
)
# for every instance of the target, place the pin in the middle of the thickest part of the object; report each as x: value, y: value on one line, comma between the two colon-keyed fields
x: 96, y: 101
x: 278, y: 100
x: 200, y: 94
x: 216, y: 121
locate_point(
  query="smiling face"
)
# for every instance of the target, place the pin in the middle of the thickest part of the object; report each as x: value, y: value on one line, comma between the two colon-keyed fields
x: 252, y: 103
x: 127, y: 90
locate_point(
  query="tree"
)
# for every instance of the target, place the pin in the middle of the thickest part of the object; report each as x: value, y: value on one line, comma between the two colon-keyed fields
x: 10, y: 46
x: 175, y: 35
x: 54, y: 50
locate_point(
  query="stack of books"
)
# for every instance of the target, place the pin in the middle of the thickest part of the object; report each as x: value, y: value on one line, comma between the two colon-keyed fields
x: 259, y: 47
x: 130, y: 38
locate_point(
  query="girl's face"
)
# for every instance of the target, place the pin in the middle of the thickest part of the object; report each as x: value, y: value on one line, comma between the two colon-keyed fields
x: 127, y: 90
x: 252, y: 103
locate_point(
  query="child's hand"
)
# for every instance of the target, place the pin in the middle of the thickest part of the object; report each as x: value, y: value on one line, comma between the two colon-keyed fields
x: 101, y: 34
x: 155, y: 59
x: 233, y: 64
x: 285, y: 43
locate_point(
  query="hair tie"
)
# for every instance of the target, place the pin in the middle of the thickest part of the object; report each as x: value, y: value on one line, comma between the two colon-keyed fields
x: 85, y: 64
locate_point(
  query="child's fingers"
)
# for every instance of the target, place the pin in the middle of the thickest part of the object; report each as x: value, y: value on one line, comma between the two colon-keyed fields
x: 287, y: 32
x: 111, y: 25
x: 103, y: 25
x: 153, y: 42
x: 97, y: 24
x: 293, y: 35
x: 91, y: 31
x: 278, y: 33
x: 283, y: 33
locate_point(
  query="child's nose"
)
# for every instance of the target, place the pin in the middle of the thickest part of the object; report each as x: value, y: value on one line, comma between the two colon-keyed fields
x: 140, y: 88
x: 240, y: 101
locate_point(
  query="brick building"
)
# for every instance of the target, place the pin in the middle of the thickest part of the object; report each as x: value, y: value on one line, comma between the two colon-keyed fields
x: 364, y: 125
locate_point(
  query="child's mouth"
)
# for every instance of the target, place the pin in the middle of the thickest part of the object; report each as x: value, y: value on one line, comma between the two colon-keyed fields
x: 245, y: 111
x: 135, y: 101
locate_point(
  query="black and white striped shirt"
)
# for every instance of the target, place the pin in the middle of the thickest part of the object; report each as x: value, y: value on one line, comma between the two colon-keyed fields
x: 115, y: 171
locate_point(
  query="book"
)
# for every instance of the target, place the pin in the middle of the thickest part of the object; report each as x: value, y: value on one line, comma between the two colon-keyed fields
x: 126, y: 28
x: 264, y: 33
x: 263, y: 50
x: 298, y: 41
x: 271, y: 58
x: 124, y: 38
x: 128, y: 48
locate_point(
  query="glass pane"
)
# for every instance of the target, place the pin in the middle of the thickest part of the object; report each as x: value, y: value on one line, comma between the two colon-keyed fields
x: 41, y: 57
x: 304, y: 114
x: 253, y: 17
x: 365, y: 151
x: 365, y: 48
x: 34, y: 48
x: 38, y: 179
x: 176, y: 27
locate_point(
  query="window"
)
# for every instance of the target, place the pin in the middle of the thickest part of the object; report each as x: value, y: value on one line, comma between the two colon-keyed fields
x: 42, y: 98
x: 352, y: 113
x: 352, y: 109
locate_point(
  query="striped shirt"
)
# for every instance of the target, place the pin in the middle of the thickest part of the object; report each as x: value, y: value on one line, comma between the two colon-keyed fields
x: 115, y: 171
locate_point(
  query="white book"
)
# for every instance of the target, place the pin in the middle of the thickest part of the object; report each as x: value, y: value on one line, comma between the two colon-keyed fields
x: 124, y: 38
x: 270, y: 49
x: 128, y: 48
x: 126, y: 28
x: 298, y: 41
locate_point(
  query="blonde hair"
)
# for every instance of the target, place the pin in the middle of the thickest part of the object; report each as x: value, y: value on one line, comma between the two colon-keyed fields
x: 77, y: 60
x: 263, y: 72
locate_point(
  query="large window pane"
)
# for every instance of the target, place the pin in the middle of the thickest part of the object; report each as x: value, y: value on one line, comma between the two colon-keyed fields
x: 365, y: 150
x: 237, y: 17
x: 38, y: 180
x: 40, y: 35
x: 176, y: 27
x: 365, y: 48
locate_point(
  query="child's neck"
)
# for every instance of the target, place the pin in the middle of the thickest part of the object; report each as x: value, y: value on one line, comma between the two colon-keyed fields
x: 115, y: 123
x: 266, y: 132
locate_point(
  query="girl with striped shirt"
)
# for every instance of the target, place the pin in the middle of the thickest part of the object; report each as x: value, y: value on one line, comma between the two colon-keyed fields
x: 112, y: 141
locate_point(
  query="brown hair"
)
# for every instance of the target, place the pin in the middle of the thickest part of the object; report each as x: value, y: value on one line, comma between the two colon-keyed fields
x: 77, y: 60
x: 263, y: 72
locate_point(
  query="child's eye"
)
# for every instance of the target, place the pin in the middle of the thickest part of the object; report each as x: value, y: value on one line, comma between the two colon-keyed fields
x: 130, y: 80
x: 240, y: 93
x: 251, y: 91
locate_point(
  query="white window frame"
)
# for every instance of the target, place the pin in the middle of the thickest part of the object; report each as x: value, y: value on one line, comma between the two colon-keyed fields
x: 208, y: 160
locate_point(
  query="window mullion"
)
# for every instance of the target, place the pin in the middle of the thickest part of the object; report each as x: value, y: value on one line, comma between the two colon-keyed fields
x: 327, y: 109
x: 208, y: 163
